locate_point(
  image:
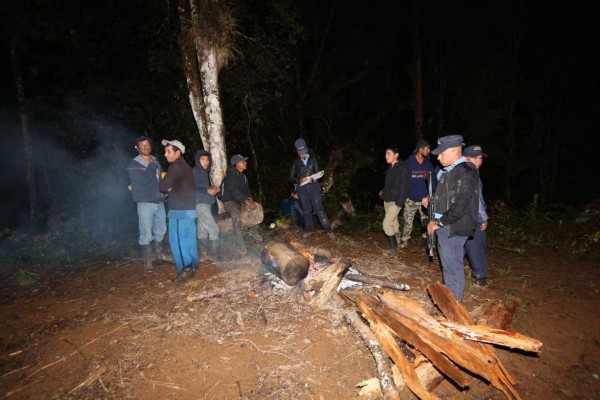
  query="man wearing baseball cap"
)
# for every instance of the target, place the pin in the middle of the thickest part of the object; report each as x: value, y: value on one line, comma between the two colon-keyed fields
x: 476, y: 246
x: 145, y: 174
x: 235, y: 194
x: 179, y: 186
x: 309, y: 190
x: 456, y: 203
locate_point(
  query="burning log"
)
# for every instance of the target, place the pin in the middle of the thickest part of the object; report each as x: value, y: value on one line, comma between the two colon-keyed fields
x: 325, y: 283
x: 376, y: 281
x: 285, y: 262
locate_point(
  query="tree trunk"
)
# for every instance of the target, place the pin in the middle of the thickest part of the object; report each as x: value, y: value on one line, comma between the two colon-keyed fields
x: 417, y: 81
x: 34, y: 215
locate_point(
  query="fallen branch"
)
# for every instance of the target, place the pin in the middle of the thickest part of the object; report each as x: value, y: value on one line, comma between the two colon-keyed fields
x: 381, y: 359
x: 91, y: 379
x: 219, y: 292
x: 376, y: 281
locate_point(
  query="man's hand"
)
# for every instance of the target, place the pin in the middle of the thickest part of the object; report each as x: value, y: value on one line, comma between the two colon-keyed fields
x: 483, y: 226
x: 380, y: 193
x: 304, y: 180
x: 213, y: 190
x: 251, y: 204
x: 425, y: 201
x: 432, y: 227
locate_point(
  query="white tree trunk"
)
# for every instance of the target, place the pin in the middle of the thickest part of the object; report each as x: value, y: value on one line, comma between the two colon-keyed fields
x: 209, y: 76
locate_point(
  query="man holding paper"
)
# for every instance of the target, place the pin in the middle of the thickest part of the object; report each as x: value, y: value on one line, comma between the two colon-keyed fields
x: 304, y: 174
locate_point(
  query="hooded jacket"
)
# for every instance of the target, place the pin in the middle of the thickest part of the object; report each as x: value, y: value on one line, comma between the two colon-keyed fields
x: 144, y: 178
x: 234, y: 186
x: 202, y: 179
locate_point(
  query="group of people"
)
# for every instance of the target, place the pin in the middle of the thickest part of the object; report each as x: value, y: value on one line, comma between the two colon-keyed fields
x: 460, y: 219
x: 191, y: 200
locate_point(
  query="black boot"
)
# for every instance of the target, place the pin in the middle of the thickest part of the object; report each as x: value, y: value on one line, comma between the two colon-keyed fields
x: 147, y: 257
x: 393, y: 246
x: 203, y: 247
x: 214, y: 251
x: 160, y: 253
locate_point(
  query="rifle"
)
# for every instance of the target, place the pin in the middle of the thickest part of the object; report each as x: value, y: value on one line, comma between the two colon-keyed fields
x: 431, y: 214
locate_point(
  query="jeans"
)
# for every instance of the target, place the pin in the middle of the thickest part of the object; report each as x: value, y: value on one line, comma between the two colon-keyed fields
x: 152, y: 222
x: 310, y: 199
x: 476, y: 251
x: 390, y: 221
x: 451, y: 251
x: 206, y: 226
x: 182, y: 238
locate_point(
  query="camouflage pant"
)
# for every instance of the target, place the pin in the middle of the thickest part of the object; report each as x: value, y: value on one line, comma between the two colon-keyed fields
x: 410, y: 209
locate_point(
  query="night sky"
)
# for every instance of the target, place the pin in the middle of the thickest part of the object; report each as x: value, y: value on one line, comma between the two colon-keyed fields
x: 518, y: 78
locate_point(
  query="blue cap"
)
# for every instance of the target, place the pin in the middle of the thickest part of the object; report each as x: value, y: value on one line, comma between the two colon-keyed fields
x: 473, y: 151
x: 237, y: 158
x: 301, y: 148
x: 446, y: 142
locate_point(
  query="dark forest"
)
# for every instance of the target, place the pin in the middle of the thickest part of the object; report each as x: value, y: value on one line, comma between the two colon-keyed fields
x: 517, y: 78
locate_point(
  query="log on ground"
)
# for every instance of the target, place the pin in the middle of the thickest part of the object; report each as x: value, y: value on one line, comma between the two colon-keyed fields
x: 250, y: 218
x: 282, y: 260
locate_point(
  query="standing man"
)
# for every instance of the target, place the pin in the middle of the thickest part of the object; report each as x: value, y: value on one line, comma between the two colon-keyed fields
x: 309, y: 189
x: 394, y: 195
x: 179, y: 186
x: 206, y: 226
x: 145, y: 175
x: 476, y: 247
x: 235, y: 193
x: 456, y: 202
x: 419, y: 168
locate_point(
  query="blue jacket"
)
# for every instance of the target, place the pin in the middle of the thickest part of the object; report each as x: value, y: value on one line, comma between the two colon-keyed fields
x: 145, y: 178
x: 202, y: 179
x: 419, y: 173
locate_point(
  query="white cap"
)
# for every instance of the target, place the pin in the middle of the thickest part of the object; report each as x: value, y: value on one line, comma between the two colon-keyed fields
x: 175, y: 143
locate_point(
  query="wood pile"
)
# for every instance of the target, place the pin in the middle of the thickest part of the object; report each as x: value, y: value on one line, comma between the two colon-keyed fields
x: 424, y: 349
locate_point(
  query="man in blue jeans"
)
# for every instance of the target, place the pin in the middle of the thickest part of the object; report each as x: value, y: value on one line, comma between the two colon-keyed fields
x: 145, y: 175
x: 308, y: 188
x: 476, y: 247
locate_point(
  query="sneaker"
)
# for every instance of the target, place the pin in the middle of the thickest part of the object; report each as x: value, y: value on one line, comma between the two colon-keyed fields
x: 403, y: 244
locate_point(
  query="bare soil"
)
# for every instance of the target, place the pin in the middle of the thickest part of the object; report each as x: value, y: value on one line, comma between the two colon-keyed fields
x: 112, y: 331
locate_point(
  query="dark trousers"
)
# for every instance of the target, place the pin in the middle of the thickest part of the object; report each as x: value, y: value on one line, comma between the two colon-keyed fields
x: 234, y: 208
x: 452, y: 254
x: 310, y: 199
x: 476, y: 251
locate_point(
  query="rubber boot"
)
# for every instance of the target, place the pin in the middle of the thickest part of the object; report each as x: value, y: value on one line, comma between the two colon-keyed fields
x: 214, y: 251
x: 241, y: 245
x: 160, y: 253
x: 203, y: 247
x: 393, y: 246
x: 147, y: 257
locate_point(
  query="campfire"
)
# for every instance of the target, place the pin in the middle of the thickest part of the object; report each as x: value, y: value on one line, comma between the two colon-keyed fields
x: 424, y: 349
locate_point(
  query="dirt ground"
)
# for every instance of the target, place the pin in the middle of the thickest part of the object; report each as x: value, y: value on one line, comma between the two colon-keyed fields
x: 112, y: 331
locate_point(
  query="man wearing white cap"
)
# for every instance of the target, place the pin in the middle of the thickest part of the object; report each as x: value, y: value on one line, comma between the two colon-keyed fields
x: 456, y: 203
x: 178, y: 183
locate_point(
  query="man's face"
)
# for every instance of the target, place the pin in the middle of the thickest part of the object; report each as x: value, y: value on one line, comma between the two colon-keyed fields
x: 476, y: 160
x: 144, y: 148
x: 204, y: 162
x: 445, y: 157
x: 170, y: 154
x: 303, y: 156
x: 391, y: 157
x: 241, y: 165
x: 425, y: 151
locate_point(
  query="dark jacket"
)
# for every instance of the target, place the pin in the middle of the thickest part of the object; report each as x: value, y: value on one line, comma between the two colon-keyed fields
x: 144, y: 178
x: 234, y: 186
x: 299, y: 170
x: 202, y: 179
x: 396, y: 184
x: 180, y: 180
x: 457, y: 199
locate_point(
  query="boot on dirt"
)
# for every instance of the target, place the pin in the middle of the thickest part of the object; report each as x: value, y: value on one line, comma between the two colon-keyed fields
x: 393, y: 246
x: 241, y: 245
x: 185, y: 274
x: 203, y: 247
x: 214, y: 250
x: 147, y: 257
x: 161, y: 254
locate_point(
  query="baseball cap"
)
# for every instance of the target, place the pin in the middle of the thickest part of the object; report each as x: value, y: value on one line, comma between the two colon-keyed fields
x: 237, y: 158
x: 473, y: 151
x: 446, y: 142
x: 301, y: 148
x: 175, y: 143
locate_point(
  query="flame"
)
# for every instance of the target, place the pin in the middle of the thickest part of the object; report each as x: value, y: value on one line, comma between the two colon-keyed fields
x: 305, y: 252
